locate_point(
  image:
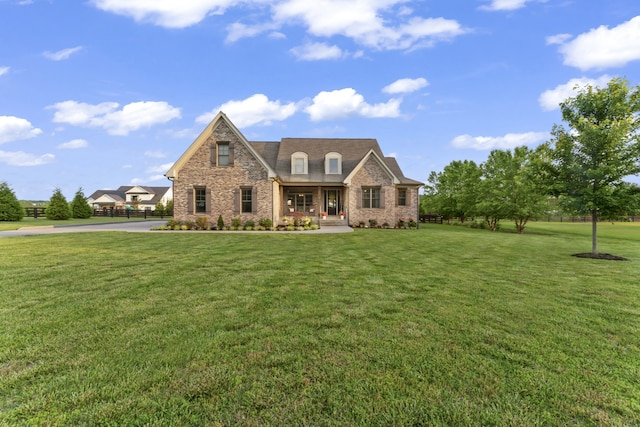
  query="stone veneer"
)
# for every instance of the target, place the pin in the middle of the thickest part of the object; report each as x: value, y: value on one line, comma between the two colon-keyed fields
x: 222, y: 182
x: 373, y: 175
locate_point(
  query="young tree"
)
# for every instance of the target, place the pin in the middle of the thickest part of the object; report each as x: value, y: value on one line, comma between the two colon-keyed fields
x: 79, y: 206
x: 10, y: 208
x: 600, y: 148
x: 58, y: 208
x: 159, y: 209
x: 453, y: 193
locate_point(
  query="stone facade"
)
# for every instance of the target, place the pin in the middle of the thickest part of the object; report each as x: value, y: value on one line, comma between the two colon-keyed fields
x: 223, y: 183
x: 264, y: 169
x: 372, y: 174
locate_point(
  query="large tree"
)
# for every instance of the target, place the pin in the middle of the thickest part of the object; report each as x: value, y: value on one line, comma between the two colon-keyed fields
x: 10, y: 208
x: 598, y: 150
x: 515, y: 185
x: 453, y: 193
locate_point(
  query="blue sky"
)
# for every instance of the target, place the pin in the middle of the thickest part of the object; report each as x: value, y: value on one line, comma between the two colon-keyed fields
x: 103, y: 93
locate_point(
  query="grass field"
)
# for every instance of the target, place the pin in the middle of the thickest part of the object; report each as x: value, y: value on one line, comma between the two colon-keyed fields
x: 440, y: 326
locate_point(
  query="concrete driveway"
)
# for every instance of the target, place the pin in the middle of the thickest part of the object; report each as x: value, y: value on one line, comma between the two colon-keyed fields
x: 143, y: 227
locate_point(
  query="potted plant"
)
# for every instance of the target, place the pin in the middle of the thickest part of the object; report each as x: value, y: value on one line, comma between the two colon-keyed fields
x: 324, y: 215
x: 341, y: 214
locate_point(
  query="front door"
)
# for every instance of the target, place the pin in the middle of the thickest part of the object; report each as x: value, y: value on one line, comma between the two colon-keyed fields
x: 332, y: 201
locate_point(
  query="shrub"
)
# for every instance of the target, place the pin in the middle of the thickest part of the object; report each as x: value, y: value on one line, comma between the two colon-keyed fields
x: 58, y: 207
x: 160, y: 209
x: 373, y: 223
x: 10, y: 209
x: 189, y: 224
x: 168, y: 209
x: 385, y: 225
x: 266, y: 223
x: 201, y: 223
x: 79, y: 206
x: 220, y: 223
x: 249, y: 225
x: 236, y: 223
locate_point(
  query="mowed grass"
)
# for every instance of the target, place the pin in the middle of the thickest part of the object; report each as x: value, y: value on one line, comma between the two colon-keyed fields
x: 440, y: 326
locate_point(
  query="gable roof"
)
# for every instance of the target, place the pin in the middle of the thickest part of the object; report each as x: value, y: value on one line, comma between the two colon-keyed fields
x: 202, y: 138
x: 275, y: 156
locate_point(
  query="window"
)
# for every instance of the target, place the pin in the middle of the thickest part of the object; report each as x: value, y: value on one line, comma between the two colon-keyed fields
x: 201, y: 199
x: 402, y: 197
x: 223, y: 154
x: 299, y: 162
x: 371, y: 197
x: 300, y: 202
x: 247, y: 200
x: 333, y: 163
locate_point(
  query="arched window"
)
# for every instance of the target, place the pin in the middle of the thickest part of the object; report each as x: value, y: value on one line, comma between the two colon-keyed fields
x: 333, y: 163
x: 299, y: 163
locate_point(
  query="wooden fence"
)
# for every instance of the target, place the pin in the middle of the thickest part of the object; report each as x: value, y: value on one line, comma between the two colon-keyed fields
x: 37, y: 212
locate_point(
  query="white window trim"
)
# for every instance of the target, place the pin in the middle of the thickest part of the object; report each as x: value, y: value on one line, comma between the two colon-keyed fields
x: 305, y: 158
x: 327, y: 158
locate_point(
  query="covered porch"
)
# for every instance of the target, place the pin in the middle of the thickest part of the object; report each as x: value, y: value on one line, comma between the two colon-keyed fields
x: 314, y: 201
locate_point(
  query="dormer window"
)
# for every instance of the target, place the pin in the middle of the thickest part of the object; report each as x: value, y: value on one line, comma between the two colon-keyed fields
x: 333, y: 164
x: 299, y: 163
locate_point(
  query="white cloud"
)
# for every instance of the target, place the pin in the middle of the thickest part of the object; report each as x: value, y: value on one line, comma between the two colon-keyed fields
x: 317, y: 51
x: 550, y: 99
x: 155, y: 154
x: 604, y: 47
x: 160, y: 168
x: 347, y: 102
x: 14, y: 129
x: 558, y: 39
x: 257, y: 109
x: 369, y: 23
x: 406, y: 85
x: 237, y: 31
x: 73, y: 144
x: 508, y: 141
x: 20, y: 158
x: 380, y: 24
x: 62, y: 54
x: 131, y: 117
x: 4, y: 70
x: 167, y: 13
x: 497, y: 5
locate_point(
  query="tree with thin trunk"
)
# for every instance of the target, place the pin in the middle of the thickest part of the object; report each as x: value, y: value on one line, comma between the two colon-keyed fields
x: 600, y: 149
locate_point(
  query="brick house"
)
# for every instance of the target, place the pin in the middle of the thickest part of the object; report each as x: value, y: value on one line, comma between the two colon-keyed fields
x: 222, y: 173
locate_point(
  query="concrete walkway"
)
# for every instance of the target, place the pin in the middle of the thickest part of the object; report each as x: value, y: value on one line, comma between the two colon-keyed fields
x: 145, y: 227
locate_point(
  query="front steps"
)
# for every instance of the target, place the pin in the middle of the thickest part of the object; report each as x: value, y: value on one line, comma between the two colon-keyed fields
x: 332, y: 221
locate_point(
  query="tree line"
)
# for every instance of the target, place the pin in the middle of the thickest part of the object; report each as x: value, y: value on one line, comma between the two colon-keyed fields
x: 582, y: 168
x: 58, y: 208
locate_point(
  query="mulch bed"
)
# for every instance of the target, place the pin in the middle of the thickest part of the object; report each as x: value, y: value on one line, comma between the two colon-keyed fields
x: 600, y: 256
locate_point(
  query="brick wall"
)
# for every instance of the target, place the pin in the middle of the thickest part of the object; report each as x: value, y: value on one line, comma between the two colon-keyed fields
x: 223, y: 182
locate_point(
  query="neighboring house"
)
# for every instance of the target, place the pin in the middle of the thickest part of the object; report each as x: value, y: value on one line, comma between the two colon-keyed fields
x: 130, y: 197
x: 222, y: 173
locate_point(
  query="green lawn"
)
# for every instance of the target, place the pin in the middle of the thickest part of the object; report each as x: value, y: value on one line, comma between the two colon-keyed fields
x: 441, y: 326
